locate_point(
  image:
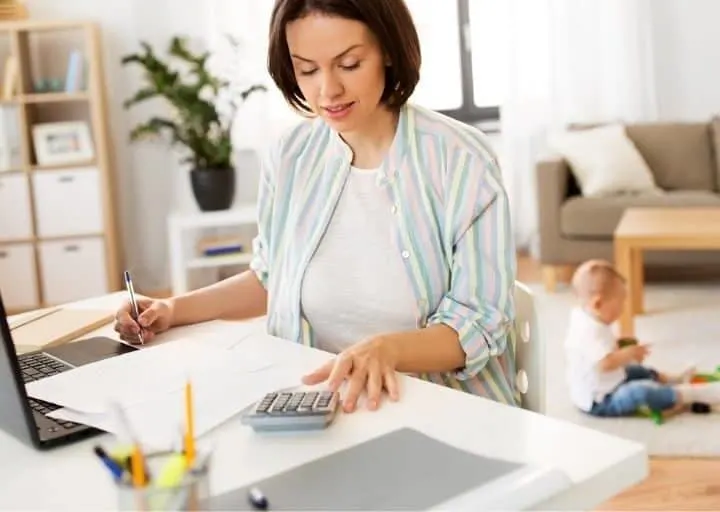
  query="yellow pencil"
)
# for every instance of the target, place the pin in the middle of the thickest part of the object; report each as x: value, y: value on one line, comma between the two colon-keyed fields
x: 190, y: 428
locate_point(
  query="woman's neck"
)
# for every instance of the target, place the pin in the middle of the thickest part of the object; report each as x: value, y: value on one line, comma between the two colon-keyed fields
x: 370, y: 142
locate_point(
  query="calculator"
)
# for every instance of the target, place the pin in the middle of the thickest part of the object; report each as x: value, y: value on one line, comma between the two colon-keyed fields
x: 292, y: 410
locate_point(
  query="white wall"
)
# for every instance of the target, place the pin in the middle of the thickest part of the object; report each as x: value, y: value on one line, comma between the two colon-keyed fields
x: 151, y: 182
x: 687, y: 53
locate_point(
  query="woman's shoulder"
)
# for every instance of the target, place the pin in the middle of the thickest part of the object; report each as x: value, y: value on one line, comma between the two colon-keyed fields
x: 293, y: 140
x: 456, y: 137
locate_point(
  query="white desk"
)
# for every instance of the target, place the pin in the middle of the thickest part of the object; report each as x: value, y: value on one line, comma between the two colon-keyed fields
x: 600, y: 466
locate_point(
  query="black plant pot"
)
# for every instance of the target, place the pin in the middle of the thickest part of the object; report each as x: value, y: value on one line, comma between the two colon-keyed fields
x: 214, y: 189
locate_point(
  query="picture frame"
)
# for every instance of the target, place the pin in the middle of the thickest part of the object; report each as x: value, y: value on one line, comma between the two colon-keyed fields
x: 62, y: 143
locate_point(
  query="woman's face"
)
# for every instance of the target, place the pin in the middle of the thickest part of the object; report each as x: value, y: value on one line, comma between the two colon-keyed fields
x: 339, y: 67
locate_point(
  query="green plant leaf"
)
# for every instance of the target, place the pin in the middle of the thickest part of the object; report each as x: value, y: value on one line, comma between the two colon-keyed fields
x: 192, y: 98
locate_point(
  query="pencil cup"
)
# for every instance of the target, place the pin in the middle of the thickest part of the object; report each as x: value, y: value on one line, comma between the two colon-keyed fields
x: 170, y: 485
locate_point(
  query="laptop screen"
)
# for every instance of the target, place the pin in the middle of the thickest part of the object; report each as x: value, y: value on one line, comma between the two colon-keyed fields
x: 15, y: 415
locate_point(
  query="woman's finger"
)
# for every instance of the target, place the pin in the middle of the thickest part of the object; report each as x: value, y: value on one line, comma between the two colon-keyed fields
x: 319, y: 375
x: 374, y: 386
x: 391, y: 384
x: 341, y: 370
x: 355, y: 387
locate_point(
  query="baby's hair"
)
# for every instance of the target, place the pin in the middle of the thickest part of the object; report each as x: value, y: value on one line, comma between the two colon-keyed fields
x: 595, y: 277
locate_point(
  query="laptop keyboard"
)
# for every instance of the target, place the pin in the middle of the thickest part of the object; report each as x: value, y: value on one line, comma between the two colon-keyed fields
x: 38, y: 366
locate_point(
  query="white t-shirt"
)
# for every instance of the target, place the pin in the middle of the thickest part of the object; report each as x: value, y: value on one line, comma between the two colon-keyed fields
x: 355, y: 285
x: 587, y: 342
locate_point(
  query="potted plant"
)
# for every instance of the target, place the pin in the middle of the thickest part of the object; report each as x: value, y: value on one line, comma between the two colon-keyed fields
x: 203, y: 110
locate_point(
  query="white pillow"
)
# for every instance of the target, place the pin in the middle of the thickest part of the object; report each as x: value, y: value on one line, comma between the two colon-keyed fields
x: 604, y: 161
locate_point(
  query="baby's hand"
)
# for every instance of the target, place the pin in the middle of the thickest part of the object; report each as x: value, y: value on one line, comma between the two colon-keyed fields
x: 636, y: 352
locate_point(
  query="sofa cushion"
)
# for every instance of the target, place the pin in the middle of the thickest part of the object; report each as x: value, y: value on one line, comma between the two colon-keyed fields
x: 681, y: 155
x: 593, y: 217
x: 603, y: 160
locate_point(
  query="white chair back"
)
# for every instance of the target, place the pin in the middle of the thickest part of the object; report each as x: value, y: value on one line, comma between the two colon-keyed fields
x: 529, y: 351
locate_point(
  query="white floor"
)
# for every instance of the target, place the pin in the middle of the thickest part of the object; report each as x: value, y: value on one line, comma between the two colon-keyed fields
x: 682, y: 321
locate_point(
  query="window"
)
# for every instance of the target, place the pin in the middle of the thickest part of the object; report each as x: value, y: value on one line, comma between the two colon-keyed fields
x: 462, y: 72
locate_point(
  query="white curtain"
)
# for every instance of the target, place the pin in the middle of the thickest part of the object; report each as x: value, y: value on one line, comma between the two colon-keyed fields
x: 568, y: 61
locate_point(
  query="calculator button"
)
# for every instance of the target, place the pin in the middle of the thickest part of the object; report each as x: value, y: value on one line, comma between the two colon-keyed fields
x: 281, y: 402
x: 263, y: 406
x: 309, y: 399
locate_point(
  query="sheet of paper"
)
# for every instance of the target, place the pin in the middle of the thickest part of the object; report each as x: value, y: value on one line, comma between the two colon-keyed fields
x: 139, y: 375
x: 217, y: 334
x: 159, y: 421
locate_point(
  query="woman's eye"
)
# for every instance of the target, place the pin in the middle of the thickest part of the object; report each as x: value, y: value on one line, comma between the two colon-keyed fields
x: 350, y: 67
x: 307, y: 72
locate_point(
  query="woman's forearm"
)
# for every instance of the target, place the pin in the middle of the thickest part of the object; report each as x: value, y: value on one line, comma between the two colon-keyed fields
x: 238, y: 297
x: 432, y: 349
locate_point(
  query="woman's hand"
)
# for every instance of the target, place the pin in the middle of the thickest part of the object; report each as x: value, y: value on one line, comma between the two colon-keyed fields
x: 368, y: 365
x: 155, y: 317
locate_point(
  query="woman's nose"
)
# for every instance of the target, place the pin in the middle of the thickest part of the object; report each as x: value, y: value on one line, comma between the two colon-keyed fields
x: 331, y: 87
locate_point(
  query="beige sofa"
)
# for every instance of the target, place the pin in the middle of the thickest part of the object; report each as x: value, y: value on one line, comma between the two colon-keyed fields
x: 684, y: 160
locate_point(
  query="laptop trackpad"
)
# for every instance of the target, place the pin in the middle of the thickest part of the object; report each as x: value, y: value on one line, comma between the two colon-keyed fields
x: 89, y: 350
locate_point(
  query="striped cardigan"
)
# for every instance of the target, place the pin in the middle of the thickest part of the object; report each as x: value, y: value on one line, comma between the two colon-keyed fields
x: 453, y: 234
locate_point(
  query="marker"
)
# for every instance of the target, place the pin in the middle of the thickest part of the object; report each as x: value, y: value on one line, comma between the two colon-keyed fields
x: 113, y: 466
x: 173, y: 472
x: 257, y: 499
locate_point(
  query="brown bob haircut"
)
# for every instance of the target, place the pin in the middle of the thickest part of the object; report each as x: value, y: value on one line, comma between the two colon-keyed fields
x: 389, y: 20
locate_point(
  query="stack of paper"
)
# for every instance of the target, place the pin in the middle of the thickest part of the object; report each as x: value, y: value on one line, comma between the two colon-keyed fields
x: 149, y: 386
x: 158, y: 421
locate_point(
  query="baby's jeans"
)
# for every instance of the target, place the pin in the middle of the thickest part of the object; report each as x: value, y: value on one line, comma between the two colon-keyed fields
x: 640, y: 388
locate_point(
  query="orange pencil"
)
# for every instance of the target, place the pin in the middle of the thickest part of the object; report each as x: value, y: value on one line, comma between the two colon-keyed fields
x: 190, y: 429
x: 137, y: 466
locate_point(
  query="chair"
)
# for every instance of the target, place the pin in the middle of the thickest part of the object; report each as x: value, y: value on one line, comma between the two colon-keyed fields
x: 529, y: 353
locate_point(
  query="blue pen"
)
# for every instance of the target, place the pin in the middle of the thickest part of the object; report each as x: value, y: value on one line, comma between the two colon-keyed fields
x: 113, y: 466
x: 133, y: 304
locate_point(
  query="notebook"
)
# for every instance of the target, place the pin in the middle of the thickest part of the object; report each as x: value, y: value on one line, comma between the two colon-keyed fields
x: 402, y: 470
x: 55, y: 326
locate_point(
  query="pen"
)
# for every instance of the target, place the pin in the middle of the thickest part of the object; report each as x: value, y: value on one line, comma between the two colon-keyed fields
x: 133, y: 304
x: 115, y: 468
x: 257, y: 499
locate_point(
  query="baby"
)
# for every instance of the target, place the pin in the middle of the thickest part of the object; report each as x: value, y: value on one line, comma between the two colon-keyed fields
x: 606, y: 379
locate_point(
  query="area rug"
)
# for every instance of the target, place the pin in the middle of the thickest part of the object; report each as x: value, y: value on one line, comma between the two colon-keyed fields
x: 682, y: 321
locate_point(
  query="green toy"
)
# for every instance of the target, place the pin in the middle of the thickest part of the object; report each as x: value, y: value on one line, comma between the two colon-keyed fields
x: 625, y: 342
x: 656, y: 416
x: 706, y: 377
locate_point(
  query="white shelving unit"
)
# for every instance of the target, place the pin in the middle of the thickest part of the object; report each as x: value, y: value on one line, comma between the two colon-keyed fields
x: 59, y: 237
x: 183, y: 230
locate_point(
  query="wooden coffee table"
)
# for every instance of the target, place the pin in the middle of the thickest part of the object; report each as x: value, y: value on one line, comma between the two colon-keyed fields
x: 647, y: 229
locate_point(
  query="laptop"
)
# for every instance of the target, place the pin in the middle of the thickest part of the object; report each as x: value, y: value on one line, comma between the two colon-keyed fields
x: 26, y: 418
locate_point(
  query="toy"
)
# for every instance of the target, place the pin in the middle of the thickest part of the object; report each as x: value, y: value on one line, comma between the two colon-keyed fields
x: 625, y: 342
x: 656, y: 416
x: 706, y: 377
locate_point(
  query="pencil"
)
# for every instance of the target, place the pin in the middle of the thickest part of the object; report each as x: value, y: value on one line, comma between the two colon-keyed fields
x: 190, y: 427
x: 137, y: 467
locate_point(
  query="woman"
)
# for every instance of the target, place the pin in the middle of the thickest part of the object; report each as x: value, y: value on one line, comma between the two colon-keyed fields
x: 384, y: 232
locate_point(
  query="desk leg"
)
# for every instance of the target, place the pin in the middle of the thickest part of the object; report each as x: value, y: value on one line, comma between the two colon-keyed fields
x: 638, y: 277
x: 624, y: 264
